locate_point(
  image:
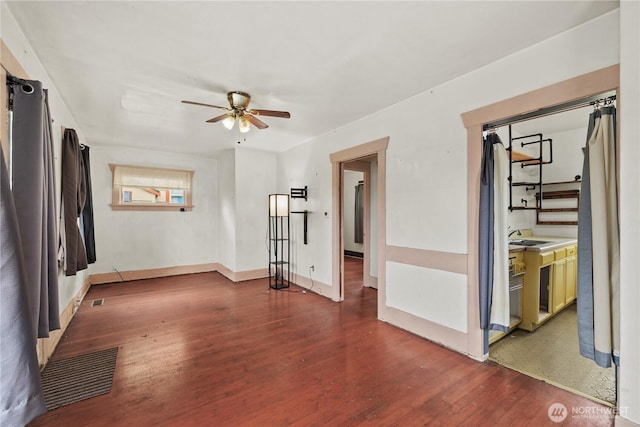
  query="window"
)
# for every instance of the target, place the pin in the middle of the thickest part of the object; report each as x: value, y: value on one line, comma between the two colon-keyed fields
x: 145, y: 188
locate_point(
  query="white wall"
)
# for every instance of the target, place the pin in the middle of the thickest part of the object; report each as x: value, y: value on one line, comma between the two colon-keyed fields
x: 428, y: 149
x: 246, y: 178
x: 255, y: 176
x: 137, y: 240
x: 227, y: 209
x: 17, y: 43
x: 567, y: 164
x: 309, y: 165
x: 629, y: 386
x: 351, y: 179
x: 567, y: 153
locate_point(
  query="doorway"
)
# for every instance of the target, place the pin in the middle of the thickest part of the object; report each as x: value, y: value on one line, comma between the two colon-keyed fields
x: 359, y: 196
x: 547, y: 347
x: 370, y: 159
x: 580, y: 87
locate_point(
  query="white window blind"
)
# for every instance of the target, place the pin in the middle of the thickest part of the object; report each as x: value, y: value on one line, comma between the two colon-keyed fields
x: 136, y: 176
x: 150, y: 188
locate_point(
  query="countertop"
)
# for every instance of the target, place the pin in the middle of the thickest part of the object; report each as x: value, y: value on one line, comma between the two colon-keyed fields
x: 551, y: 243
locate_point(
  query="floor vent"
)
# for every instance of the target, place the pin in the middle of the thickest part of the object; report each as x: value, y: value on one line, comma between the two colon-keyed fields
x: 97, y: 302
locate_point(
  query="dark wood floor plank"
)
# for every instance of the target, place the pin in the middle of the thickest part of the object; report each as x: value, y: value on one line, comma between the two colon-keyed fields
x: 199, y: 350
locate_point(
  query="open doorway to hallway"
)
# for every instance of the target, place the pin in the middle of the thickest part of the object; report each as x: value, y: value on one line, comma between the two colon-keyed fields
x: 371, y: 156
x: 358, y: 225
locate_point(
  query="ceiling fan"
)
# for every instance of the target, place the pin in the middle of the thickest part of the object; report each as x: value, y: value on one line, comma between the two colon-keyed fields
x: 239, y: 111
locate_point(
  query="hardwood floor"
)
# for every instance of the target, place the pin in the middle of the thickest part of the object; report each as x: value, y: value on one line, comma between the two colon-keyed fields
x: 198, y: 350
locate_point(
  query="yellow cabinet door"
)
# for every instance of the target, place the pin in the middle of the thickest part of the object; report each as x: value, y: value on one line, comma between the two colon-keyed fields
x: 557, y: 284
x: 570, y: 280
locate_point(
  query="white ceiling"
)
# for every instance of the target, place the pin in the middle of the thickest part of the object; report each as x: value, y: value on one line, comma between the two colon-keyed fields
x: 123, y: 67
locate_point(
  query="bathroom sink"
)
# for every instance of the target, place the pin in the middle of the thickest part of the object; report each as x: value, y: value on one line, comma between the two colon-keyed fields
x: 526, y: 242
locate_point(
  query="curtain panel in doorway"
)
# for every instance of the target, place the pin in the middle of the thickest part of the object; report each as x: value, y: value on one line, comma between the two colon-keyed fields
x: 485, y: 231
x: 492, y: 241
x: 499, y: 319
x: 598, y: 243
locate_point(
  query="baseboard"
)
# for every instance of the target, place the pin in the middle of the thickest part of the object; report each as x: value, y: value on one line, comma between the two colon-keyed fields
x: 313, y: 286
x: 435, y: 332
x: 623, y: 422
x: 126, y: 276
x: 353, y: 254
x: 372, y: 282
x: 46, y: 346
x: 241, y: 276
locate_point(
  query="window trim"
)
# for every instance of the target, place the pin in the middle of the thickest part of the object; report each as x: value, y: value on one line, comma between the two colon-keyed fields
x: 117, y: 205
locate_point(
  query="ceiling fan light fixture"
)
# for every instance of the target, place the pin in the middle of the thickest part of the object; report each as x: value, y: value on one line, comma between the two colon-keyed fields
x: 238, y: 111
x: 229, y: 122
x: 244, y: 124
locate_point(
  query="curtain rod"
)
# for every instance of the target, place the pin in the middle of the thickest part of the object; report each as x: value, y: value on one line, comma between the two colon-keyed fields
x: 567, y: 106
x: 15, y: 80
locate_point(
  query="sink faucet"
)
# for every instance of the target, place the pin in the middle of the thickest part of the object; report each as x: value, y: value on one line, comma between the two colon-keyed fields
x: 515, y: 231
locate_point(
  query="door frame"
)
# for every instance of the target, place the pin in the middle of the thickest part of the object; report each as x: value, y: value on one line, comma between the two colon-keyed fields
x: 583, y: 86
x: 374, y: 149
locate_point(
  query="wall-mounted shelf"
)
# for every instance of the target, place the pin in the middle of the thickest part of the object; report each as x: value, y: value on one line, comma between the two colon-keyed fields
x: 562, y: 194
x: 305, y: 222
x: 527, y: 160
x: 302, y: 193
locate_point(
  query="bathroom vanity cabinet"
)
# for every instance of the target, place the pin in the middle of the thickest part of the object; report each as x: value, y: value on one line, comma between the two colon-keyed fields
x: 549, y: 281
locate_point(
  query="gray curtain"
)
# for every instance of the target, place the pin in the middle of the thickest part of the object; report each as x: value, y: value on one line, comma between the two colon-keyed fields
x: 34, y: 197
x: 485, y: 233
x: 598, y: 243
x: 28, y: 272
x: 359, y: 215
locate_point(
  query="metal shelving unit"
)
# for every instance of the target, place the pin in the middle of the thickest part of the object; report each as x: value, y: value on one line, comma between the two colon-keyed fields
x: 526, y: 160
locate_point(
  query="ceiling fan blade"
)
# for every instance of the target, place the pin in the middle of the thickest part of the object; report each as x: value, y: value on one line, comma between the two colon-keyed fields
x: 256, y: 121
x: 218, y: 118
x: 206, y: 105
x: 271, y: 113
